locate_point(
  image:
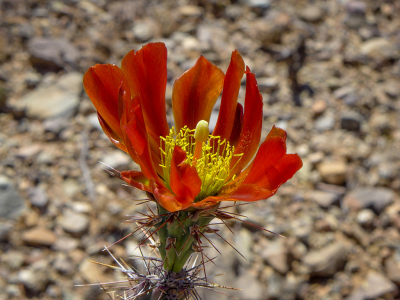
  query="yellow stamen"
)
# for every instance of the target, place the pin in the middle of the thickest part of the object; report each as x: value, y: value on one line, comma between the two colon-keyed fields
x: 210, y: 156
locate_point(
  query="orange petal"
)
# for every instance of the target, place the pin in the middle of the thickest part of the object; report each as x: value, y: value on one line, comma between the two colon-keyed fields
x: 116, y: 140
x: 272, y: 166
x: 184, y: 180
x: 276, y: 131
x: 237, y: 125
x: 146, y: 72
x: 102, y: 84
x: 267, y: 185
x: 270, y: 152
x: 136, y: 138
x: 230, y: 93
x: 252, y: 125
x: 246, y: 192
x: 137, y: 180
x: 250, y: 193
x: 170, y: 201
x: 195, y: 93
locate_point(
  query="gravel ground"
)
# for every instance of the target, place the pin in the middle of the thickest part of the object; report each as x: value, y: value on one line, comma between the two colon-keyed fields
x: 329, y: 72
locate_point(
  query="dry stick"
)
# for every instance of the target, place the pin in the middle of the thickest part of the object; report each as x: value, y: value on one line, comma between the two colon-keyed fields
x: 84, y: 166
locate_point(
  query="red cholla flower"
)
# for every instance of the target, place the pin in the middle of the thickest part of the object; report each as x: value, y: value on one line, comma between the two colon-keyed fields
x: 185, y: 167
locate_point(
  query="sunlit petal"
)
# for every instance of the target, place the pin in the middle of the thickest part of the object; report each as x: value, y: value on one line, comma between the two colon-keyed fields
x: 146, y: 71
x: 137, y: 180
x: 252, y: 124
x: 102, y: 84
x: 228, y: 108
x: 116, y: 140
x: 169, y: 200
x: 136, y: 138
x: 195, y: 93
x: 185, y: 182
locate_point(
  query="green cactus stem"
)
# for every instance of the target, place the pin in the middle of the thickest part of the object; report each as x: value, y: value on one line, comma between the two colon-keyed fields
x: 176, y: 232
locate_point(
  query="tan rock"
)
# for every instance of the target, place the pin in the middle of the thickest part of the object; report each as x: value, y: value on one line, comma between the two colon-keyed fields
x: 92, y: 272
x: 318, y: 107
x: 333, y: 172
x: 39, y: 236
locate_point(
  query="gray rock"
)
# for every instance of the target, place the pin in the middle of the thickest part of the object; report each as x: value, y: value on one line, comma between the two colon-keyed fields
x: 342, y: 92
x: 393, y: 212
x: 55, y: 125
x: 60, y: 99
x: 311, y: 13
x: 369, y: 197
x: 117, y: 159
x: 11, y: 204
x: 392, y: 267
x: 347, y: 94
x: 233, y: 11
x: 319, y: 240
x: 32, y: 79
x: 4, y: 231
x: 14, y: 259
x: 38, y: 197
x: 302, y: 228
x: 382, y: 122
x: 356, y: 7
x: 355, y: 14
x: 351, y: 121
x: 392, y: 88
x: 244, y: 243
x: 74, y: 223
x: 145, y: 30
x: 325, y: 122
x: 357, y: 294
x: 260, y: 4
x: 213, y: 120
x: 63, y: 264
x: 328, y: 260
x: 267, y: 84
x: 357, y: 233
x: 71, y: 187
x: 297, y: 249
x: 192, y: 11
x: 250, y: 286
x: 190, y: 43
x: 94, y: 121
x: 379, y: 49
x: 65, y: 244
x: 365, y: 217
x: 50, y: 53
x: 275, y: 254
x: 35, y: 278
x: 274, y: 283
x: 324, y: 199
x: 377, y: 285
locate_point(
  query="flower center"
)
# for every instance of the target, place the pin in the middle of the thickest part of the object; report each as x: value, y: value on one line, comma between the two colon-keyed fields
x: 210, y: 156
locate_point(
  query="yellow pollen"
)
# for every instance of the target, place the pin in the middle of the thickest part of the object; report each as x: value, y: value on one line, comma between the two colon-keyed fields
x: 210, y: 156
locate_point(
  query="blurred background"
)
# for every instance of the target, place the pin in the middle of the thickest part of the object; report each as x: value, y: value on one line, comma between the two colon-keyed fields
x: 329, y: 73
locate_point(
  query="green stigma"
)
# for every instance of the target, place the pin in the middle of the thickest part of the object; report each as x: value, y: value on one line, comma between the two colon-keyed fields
x: 212, y: 159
